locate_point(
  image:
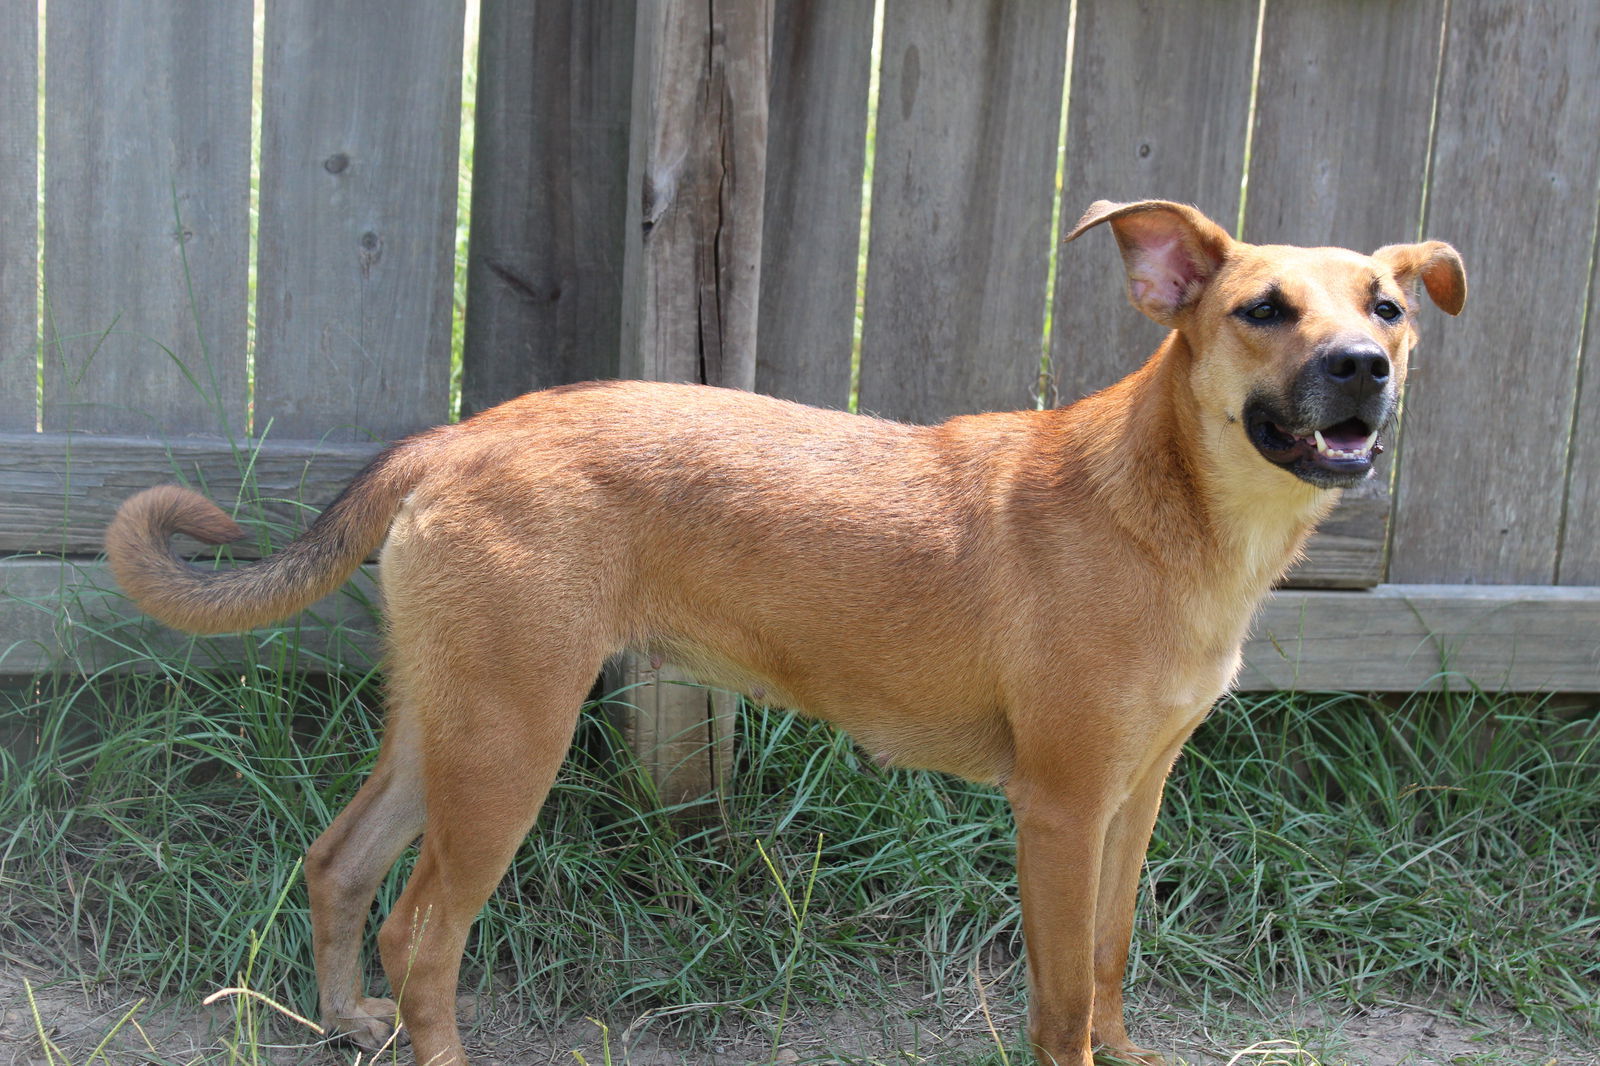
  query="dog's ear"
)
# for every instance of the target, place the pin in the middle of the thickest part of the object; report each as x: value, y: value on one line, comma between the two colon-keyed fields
x: 1436, y: 263
x: 1170, y: 251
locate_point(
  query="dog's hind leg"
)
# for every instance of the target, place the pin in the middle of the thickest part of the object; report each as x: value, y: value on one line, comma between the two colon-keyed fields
x: 343, y: 870
x: 492, y: 746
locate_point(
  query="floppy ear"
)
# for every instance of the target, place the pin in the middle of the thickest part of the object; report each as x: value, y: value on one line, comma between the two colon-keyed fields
x: 1170, y: 251
x: 1436, y: 263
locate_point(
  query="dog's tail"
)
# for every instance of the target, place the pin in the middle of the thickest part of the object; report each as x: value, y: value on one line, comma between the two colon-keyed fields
x: 138, y: 544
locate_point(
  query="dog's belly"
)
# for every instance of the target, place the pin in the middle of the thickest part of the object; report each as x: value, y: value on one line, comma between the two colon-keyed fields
x: 717, y: 671
x: 917, y: 730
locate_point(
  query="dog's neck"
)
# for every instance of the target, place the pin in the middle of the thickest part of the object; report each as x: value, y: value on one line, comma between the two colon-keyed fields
x: 1157, y: 461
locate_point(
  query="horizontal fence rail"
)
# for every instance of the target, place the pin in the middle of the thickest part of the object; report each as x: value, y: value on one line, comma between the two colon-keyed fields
x: 1392, y: 638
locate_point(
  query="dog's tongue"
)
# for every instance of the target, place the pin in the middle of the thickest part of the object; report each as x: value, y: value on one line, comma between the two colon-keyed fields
x: 1349, y: 440
x: 1346, y: 436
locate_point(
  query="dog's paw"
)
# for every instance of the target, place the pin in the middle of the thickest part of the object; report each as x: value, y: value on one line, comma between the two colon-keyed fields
x: 369, y: 1024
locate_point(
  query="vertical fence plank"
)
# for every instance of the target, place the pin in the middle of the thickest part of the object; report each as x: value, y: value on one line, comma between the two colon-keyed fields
x: 147, y: 131
x: 1579, y: 563
x: 1159, y: 108
x: 19, y: 219
x: 1335, y: 159
x: 692, y: 277
x: 359, y: 135
x: 1324, y: 142
x: 1516, y: 162
x: 968, y: 121
x: 550, y: 171
x: 692, y: 272
x: 816, y: 150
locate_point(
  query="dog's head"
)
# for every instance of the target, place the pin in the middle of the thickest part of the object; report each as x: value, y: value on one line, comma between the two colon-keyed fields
x: 1300, y: 352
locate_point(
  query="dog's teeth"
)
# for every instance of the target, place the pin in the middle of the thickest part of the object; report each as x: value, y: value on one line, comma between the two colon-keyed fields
x: 1331, y: 452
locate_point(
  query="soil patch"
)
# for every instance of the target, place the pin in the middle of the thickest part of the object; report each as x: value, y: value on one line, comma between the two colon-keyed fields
x: 86, y: 1023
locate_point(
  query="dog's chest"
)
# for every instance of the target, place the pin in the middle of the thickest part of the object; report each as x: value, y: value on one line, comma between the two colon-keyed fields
x: 1197, y: 681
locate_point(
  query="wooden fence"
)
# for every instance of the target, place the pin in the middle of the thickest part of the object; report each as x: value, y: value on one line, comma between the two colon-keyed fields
x: 672, y: 190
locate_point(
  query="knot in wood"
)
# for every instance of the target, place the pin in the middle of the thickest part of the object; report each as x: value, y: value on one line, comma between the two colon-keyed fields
x: 656, y: 191
x: 371, y: 250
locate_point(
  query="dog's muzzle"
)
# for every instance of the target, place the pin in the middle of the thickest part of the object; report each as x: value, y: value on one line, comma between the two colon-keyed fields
x: 1328, y: 430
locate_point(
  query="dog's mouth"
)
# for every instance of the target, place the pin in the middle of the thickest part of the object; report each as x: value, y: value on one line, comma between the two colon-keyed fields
x: 1331, y: 456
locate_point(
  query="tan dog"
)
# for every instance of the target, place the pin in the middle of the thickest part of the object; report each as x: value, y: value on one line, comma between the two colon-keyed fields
x: 1050, y: 600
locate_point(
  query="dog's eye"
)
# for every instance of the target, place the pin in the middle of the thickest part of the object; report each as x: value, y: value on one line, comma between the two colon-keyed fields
x: 1264, y: 311
x: 1387, y: 310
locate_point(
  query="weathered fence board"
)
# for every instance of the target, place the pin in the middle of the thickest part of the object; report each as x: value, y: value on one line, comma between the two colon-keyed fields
x: 1404, y: 638
x: 360, y: 121
x: 550, y: 171
x: 1513, y: 185
x: 1579, y: 563
x: 811, y: 236
x: 60, y: 490
x: 19, y: 214
x: 1321, y: 133
x: 1314, y: 151
x: 147, y: 184
x: 969, y: 113
x: 1159, y: 107
x: 691, y: 285
x: 697, y: 172
x: 1395, y: 638
x: 1132, y: 134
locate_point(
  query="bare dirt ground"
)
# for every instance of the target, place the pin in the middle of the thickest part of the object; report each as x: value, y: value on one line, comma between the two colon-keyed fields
x: 85, y: 1025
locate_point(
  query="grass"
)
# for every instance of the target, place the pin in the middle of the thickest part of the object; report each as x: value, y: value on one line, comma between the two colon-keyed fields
x: 1445, y: 846
x: 1325, y: 848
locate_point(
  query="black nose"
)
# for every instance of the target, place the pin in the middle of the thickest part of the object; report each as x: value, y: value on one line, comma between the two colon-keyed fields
x: 1357, y: 370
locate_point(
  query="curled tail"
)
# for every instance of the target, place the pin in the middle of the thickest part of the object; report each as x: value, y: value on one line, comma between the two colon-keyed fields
x: 138, y: 544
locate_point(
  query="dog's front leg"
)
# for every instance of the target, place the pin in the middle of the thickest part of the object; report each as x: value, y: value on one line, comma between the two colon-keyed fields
x: 1126, y: 842
x: 1059, y: 843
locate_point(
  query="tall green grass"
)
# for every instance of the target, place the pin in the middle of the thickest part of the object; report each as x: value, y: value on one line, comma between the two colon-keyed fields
x: 1446, y: 847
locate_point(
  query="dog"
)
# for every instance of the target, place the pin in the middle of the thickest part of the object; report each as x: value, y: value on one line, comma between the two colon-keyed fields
x: 1047, y: 600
